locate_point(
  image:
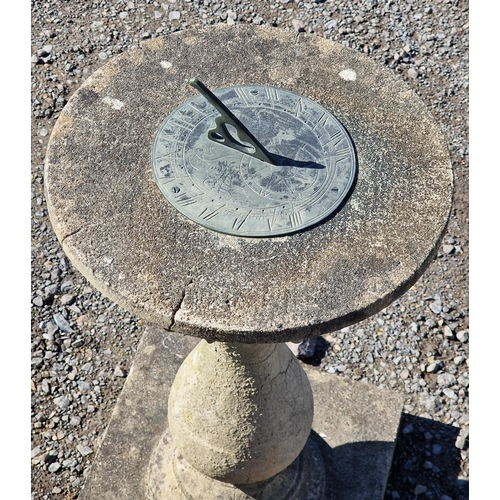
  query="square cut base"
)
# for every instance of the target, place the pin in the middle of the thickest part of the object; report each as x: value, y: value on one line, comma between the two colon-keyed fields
x: 358, y: 424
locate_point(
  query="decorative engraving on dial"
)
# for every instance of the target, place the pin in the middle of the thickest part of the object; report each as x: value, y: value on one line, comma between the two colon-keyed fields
x: 234, y: 193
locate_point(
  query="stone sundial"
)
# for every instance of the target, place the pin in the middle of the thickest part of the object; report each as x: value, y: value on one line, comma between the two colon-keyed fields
x: 214, y: 170
x: 304, y: 193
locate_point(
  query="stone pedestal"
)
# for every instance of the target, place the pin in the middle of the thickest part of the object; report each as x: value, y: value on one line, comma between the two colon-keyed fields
x: 354, y: 428
x: 256, y: 414
x: 123, y: 235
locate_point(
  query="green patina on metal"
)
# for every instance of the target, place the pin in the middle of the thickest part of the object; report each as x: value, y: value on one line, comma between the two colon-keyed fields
x: 295, y: 168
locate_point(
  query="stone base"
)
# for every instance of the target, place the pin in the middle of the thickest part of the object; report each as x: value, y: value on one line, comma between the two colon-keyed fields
x: 172, y: 478
x: 355, y: 427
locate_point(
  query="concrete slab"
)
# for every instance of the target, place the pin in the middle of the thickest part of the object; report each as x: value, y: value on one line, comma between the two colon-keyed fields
x: 355, y: 426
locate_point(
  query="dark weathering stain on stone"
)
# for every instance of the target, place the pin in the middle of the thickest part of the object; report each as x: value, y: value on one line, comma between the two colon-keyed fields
x: 84, y: 100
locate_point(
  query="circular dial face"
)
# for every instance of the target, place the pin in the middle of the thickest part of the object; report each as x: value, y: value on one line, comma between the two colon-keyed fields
x: 224, y: 189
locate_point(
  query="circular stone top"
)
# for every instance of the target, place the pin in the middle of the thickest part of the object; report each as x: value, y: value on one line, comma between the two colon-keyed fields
x: 124, y: 236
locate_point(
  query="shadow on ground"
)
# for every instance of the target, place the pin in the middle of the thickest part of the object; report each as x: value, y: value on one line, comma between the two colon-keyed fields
x: 425, y: 465
x: 426, y: 462
x: 320, y: 351
x: 355, y: 471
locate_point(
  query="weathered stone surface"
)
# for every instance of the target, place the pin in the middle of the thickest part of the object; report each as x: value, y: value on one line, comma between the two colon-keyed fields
x: 176, y: 479
x: 139, y: 419
x: 355, y: 426
x: 122, y: 234
x: 256, y: 414
x: 358, y: 423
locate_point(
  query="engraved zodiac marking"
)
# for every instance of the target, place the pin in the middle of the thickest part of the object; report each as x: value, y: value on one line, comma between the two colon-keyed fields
x: 242, y: 95
x: 198, y: 110
x: 295, y: 219
x: 239, y: 221
x: 168, y: 136
x: 299, y: 108
x: 207, y: 214
x: 342, y: 154
x: 343, y: 169
x: 322, y: 120
x: 272, y: 93
x: 335, y: 138
x: 181, y: 123
x: 166, y: 170
x: 221, y: 178
x: 272, y: 221
x: 165, y: 156
x: 184, y: 200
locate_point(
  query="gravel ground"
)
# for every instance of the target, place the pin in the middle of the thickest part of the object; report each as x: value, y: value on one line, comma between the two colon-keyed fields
x: 82, y: 345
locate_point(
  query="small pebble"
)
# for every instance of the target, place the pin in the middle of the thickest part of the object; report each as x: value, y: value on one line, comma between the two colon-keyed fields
x: 435, y: 307
x: 298, y: 25
x: 450, y: 394
x: 408, y: 429
x: 38, y: 301
x: 84, y: 386
x: 436, y: 449
x: 462, y: 438
x: 119, y: 372
x: 429, y: 402
x: 413, y: 73
x: 67, y: 299
x: 446, y: 379
x: 448, y: 249
x: 434, y: 367
x: 62, y: 402
x: 307, y: 348
x: 447, y: 332
x: 419, y: 489
x: 84, y: 450
x: 54, y: 467
x: 62, y: 323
